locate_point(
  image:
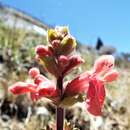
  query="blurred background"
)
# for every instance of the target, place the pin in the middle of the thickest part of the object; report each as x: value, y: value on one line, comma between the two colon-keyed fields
x: 100, y: 27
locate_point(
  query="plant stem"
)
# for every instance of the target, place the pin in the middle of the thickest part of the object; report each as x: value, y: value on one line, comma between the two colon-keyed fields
x: 60, y: 111
x: 60, y: 118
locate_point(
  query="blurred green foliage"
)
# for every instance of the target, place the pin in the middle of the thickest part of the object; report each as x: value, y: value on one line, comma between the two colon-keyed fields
x: 17, y: 47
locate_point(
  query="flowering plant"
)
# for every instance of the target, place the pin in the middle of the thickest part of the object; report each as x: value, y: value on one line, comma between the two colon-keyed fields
x: 58, y: 60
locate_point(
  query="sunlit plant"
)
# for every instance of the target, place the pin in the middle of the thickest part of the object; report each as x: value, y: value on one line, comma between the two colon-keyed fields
x: 57, y: 59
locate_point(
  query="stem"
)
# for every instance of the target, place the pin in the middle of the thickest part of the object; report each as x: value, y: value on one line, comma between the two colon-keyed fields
x: 59, y: 110
x: 60, y: 118
x: 60, y: 84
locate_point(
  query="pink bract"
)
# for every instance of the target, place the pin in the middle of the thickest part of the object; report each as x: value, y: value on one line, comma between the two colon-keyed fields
x: 92, y: 83
x: 42, y: 87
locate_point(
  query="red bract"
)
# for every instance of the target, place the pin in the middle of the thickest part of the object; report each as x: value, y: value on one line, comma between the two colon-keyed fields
x: 67, y: 63
x: 57, y: 59
x: 63, y: 61
x: 21, y: 88
x: 96, y: 91
x: 42, y: 87
x: 103, y: 64
x: 73, y: 61
x: 95, y: 96
x: 93, y: 83
x: 64, y: 64
x: 111, y: 76
x: 42, y: 51
x: 78, y: 86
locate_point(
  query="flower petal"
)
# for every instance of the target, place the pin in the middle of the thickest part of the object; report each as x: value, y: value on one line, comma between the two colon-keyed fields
x: 111, y: 76
x: 95, y: 97
x: 47, y: 89
x: 78, y: 86
x: 39, y: 79
x: 73, y: 62
x: 21, y: 88
x: 42, y: 51
x: 104, y: 64
x: 63, y: 61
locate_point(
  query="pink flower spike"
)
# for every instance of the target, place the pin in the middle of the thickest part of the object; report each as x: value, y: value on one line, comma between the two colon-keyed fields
x: 33, y: 72
x: 42, y: 51
x: 78, y: 86
x: 104, y: 64
x: 22, y: 88
x: 111, y: 76
x: 95, y: 97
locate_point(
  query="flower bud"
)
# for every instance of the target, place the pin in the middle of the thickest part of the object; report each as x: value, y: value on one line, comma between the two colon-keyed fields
x: 33, y: 72
x: 73, y: 62
x: 55, y: 44
x: 52, y: 35
x: 63, y: 31
x: 42, y: 51
x: 63, y: 61
x: 68, y: 44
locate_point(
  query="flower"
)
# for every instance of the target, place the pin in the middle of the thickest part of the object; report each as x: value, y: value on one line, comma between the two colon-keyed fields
x: 57, y: 59
x: 42, y: 87
x: 42, y: 51
x: 92, y: 83
x: 21, y: 88
x: 78, y: 85
x: 57, y: 56
x: 73, y: 61
x: 95, y: 96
